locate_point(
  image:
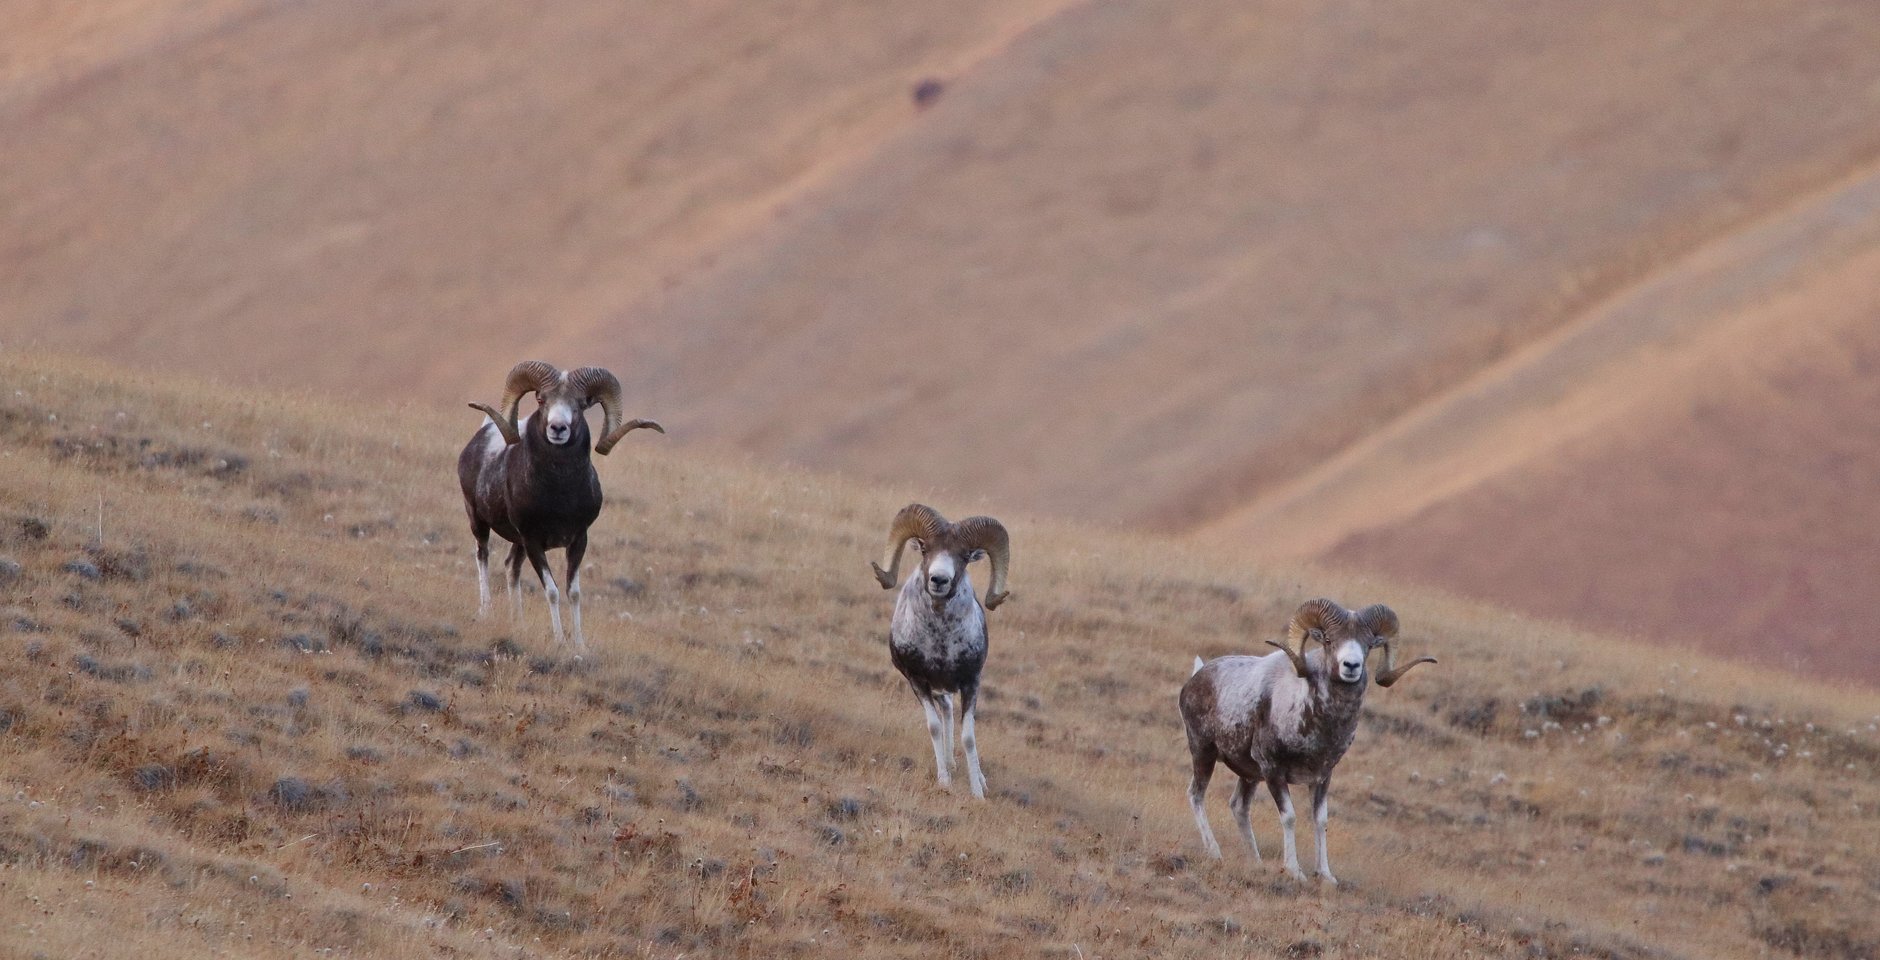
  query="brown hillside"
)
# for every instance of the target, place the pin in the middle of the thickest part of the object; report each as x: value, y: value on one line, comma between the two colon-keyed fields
x: 244, y: 712
x: 1262, y: 271
x: 1686, y: 460
x: 1737, y: 502
x: 1154, y: 260
x: 415, y: 192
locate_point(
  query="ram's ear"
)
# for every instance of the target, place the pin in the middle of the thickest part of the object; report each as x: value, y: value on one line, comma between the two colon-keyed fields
x: 920, y: 546
x: 976, y: 556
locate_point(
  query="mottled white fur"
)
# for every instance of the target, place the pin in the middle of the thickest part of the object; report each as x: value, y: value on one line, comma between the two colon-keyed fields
x: 913, y: 614
x: 1242, y: 688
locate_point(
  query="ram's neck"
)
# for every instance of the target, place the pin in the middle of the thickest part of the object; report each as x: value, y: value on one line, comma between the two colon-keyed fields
x: 962, y: 605
x: 551, y: 467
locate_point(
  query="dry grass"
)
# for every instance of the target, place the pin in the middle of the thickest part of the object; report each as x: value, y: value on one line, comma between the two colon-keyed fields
x: 268, y: 726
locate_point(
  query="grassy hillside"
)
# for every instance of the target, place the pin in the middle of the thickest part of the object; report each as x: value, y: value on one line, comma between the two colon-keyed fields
x: 245, y: 712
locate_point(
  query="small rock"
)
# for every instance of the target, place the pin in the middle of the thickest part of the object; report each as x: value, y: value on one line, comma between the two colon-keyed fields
x: 85, y: 569
x: 10, y: 570
x: 292, y: 793
x: 305, y: 642
x: 688, y: 797
x: 153, y: 777
x: 424, y: 700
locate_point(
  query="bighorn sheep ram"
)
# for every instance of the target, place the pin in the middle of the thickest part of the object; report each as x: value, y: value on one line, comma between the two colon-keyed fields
x: 1286, y: 719
x: 938, y: 636
x: 534, y: 483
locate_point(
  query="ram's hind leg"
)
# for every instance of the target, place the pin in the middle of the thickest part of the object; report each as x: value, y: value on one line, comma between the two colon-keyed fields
x: 1204, y: 756
x: 514, y: 565
x: 1239, y: 802
x: 538, y: 559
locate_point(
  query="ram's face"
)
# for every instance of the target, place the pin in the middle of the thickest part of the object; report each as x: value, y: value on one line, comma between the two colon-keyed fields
x: 1347, y: 659
x: 561, y: 414
x: 943, y: 566
x: 558, y: 418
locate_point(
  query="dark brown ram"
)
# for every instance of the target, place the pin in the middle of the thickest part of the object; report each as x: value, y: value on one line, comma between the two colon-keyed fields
x: 533, y: 482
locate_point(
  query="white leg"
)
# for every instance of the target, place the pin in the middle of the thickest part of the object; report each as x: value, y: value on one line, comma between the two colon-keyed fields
x: 515, y: 594
x: 1321, y: 809
x: 951, y: 721
x: 553, y: 595
x: 1239, y: 802
x: 1198, y: 792
x: 1284, y: 797
x: 934, y: 731
x: 483, y: 582
x: 574, y: 601
x: 973, y: 776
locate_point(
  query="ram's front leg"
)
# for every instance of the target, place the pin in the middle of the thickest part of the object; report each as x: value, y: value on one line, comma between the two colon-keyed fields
x: 969, y: 699
x: 1321, y: 810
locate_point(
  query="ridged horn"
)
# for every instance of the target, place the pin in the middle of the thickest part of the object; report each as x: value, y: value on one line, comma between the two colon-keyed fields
x: 914, y: 520
x: 598, y: 385
x: 1392, y: 672
x: 1381, y: 621
x: 529, y: 376
x: 1298, y: 661
x: 1314, y: 620
x: 985, y: 533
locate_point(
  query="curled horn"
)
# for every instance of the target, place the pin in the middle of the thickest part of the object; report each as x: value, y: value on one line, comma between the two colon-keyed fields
x: 529, y: 376
x: 985, y: 533
x: 1381, y: 621
x: 597, y: 385
x: 914, y: 520
x: 1314, y: 620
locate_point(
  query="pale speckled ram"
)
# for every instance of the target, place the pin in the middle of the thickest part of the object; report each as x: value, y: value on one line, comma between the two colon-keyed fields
x: 937, y: 638
x: 1287, y: 717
